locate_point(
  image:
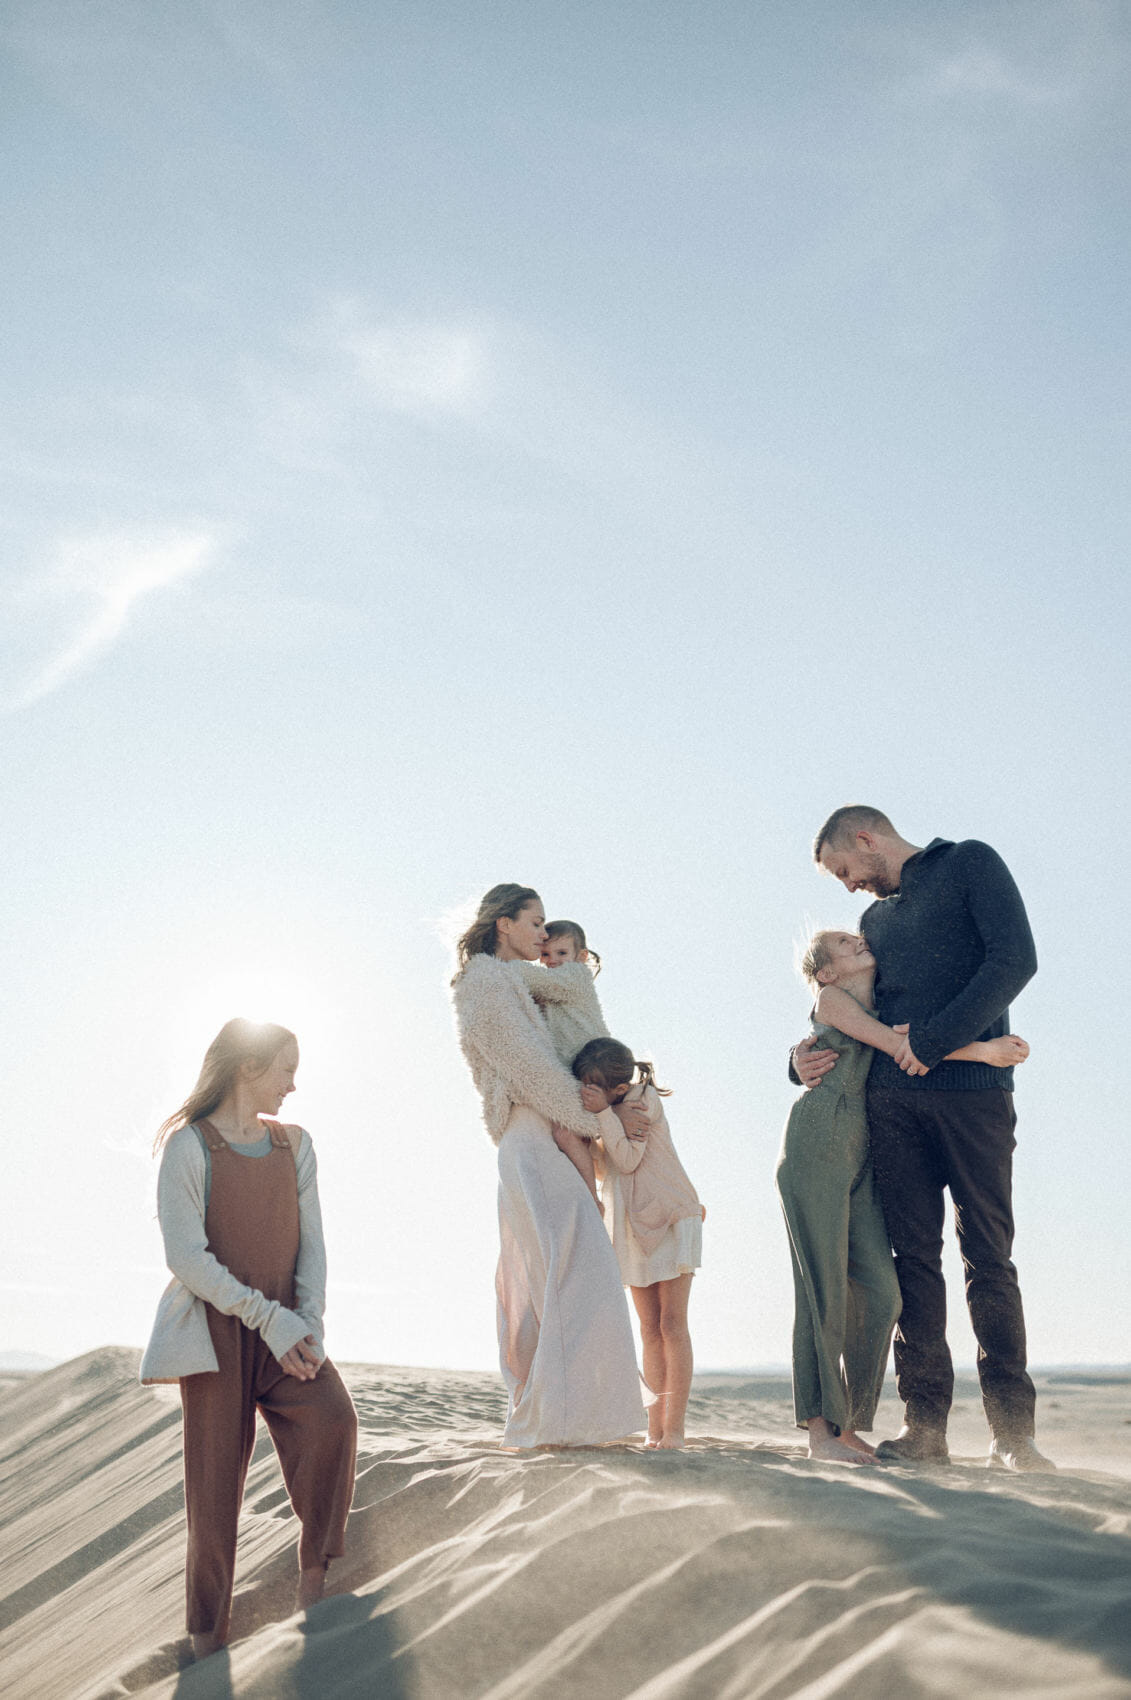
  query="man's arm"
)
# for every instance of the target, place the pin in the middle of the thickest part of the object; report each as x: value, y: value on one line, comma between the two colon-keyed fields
x: 1010, y: 961
x: 806, y: 1066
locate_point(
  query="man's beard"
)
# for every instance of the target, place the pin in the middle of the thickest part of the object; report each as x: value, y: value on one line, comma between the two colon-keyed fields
x: 876, y: 877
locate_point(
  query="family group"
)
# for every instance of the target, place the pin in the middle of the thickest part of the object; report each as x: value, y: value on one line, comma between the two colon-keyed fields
x: 907, y: 1092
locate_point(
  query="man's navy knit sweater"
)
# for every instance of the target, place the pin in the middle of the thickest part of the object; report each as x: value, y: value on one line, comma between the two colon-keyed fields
x: 952, y: 948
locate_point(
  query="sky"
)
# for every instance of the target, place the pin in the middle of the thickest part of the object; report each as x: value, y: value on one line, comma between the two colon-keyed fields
x: 580, y: 445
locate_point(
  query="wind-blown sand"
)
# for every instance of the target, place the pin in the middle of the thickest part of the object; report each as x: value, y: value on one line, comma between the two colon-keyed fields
x: 735, y: 1569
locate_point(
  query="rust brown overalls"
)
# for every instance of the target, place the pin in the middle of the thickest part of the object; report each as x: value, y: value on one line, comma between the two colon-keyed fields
x: 252, y: 1224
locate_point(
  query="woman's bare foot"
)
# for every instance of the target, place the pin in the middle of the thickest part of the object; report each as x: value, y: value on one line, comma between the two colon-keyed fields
x: 311, y: 1587
x: 671, y: 1443
x: 831, y: 1448
x: 204, y: 1645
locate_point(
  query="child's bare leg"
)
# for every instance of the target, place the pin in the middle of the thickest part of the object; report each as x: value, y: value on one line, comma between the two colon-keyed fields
x: 678, y: 1359
x: 573, y: 1146
x: 647, y: 1302
x: 311, y: 1587
x: 832, y: 1448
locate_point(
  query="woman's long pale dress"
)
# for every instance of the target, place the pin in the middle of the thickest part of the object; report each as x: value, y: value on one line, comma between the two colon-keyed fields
x: 565, y: 1340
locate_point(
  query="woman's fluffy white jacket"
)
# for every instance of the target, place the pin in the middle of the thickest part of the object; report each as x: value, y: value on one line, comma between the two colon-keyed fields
x: 568, y: 1000
x: 507, y: 1043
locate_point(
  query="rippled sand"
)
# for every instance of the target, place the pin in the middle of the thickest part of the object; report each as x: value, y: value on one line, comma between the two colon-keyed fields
x: 735, y: 1569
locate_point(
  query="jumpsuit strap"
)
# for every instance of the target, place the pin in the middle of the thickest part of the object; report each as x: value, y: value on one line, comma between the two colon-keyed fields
x: 214, y: 1141
x: 282, y: 1139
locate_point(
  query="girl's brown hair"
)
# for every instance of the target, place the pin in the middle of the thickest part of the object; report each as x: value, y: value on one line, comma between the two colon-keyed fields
x: 608, y: 1063
x: 238, y: 1042
x: 572, y: 930
x: 481, y: 938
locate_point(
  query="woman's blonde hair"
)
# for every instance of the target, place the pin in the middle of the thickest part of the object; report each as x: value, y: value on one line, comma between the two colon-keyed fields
x: 573, y: 930
x: 481, y: 938
x: 239, y: 1041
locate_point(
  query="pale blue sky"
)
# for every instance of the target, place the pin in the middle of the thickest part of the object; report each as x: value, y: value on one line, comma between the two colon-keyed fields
x: 575, y: 444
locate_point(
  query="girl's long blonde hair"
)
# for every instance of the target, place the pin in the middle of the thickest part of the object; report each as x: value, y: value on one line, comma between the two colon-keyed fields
x: 239, y: 1041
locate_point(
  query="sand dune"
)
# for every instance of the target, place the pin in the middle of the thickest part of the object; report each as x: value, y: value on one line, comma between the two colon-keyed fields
x: 736, y: 1569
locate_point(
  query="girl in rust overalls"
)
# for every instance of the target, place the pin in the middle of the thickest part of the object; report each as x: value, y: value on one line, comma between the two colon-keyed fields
x: 240, y: 1324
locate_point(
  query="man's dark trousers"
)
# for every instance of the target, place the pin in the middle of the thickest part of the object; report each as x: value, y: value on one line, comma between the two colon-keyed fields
x: 922, y: 1142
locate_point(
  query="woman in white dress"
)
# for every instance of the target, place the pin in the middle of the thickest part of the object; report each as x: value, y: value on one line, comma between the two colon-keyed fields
x: 565, y: 1340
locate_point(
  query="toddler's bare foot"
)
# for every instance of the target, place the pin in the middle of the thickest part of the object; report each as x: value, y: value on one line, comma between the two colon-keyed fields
x: 204, y: 1645
x: 311, y: 1587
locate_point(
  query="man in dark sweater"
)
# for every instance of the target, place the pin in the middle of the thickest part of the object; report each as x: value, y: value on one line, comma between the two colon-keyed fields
x: 952, y: 947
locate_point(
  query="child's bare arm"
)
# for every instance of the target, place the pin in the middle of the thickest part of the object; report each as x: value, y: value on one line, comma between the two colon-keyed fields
x: 572, y: 1145
x: 1005, y: 1052
x: 835, y: 1008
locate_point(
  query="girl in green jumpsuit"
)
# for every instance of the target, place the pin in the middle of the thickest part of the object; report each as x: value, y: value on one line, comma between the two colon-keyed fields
x: 846, y: 1295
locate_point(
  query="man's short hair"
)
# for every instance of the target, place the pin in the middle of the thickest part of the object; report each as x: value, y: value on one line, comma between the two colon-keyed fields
x: 844, y: 824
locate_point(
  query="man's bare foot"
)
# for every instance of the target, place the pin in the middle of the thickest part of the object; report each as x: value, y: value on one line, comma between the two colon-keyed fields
x: 311, y: 1587
x: 204, y: 1645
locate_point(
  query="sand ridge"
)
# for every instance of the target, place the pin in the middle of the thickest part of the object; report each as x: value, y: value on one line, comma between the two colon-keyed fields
x: 735, y: 1569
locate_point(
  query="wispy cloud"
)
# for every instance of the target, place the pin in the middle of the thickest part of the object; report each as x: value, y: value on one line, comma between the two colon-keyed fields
x: 428, y: 369
x: 112, y: 573
x: 983, y: 72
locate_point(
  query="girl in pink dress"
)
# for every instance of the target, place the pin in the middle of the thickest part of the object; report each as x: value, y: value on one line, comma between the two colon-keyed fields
x: 655, y: 1220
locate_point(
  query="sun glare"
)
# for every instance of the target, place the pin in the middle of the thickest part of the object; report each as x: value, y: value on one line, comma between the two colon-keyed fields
x: 259, y: 995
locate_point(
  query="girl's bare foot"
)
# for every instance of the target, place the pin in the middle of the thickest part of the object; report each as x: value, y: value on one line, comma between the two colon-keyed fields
x: 831, y: 1448
x: 311, y: 1587
x: 204, y: 1645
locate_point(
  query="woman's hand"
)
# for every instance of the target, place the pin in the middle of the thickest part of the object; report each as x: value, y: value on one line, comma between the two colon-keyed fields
x: 595, y: 1099
x: 302, y: 1361
x: 634, y: 1120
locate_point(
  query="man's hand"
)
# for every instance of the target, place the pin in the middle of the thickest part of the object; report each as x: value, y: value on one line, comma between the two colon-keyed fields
x: 302, y: 1361
x: 811, y: 1065
x: 906, y: 1059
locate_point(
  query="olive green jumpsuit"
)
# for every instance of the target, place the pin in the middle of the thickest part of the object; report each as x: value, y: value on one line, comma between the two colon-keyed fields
x: 846, y: 1295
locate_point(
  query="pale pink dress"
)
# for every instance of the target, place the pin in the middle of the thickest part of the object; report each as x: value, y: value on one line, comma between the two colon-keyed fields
x: 566, y: 1349
x: 652, y: 1211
